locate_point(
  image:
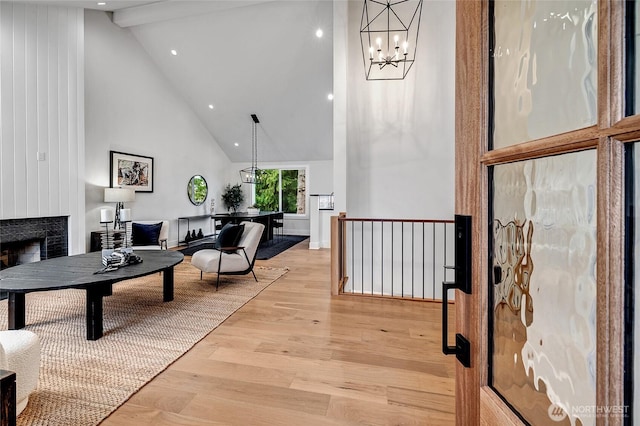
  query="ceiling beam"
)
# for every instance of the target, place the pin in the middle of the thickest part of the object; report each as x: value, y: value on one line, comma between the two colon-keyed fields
x: 173, y: 9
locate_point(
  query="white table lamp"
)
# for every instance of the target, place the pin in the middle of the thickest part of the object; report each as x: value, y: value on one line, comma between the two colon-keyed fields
x: 118, y: 196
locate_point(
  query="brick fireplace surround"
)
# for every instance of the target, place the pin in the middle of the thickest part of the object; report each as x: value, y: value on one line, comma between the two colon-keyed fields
x: 51, y: 232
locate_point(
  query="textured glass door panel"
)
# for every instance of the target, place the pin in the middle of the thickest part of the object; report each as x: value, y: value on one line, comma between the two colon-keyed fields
x: 544, y: 68
x: 543, y: 358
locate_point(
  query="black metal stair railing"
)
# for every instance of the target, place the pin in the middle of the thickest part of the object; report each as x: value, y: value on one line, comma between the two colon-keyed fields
x: 404, y: 258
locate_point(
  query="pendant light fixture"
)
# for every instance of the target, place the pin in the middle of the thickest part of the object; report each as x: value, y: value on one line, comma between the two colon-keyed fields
x: 389, y: 37
x: 250, y: 174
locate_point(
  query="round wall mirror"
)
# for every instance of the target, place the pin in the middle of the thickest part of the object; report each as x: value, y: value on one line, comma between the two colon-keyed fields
x: 197, y: 190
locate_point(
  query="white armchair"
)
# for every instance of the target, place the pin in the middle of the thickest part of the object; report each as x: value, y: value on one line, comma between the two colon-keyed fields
x: 235, y: 260
x: 163, y: 236
x: 20, y: 353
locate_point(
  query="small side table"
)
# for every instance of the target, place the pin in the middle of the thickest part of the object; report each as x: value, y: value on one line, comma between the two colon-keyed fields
x: 7, y: 398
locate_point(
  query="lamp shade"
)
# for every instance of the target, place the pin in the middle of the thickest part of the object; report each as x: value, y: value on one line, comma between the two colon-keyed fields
x: 117, y: 195
x: 125, y: 215
x: 106, y: 215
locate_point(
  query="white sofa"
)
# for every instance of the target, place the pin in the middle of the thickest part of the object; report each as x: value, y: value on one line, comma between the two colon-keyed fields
x: 162, y: 238
x: 20, y: 353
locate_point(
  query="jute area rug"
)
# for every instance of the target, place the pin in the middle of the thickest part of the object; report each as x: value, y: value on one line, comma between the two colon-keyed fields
x: 81, y: 381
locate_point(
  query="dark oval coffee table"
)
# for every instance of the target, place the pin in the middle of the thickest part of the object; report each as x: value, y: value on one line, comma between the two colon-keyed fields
x: 79, y: 272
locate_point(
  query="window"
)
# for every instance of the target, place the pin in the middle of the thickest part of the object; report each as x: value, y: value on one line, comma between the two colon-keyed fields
x: 281, y: 190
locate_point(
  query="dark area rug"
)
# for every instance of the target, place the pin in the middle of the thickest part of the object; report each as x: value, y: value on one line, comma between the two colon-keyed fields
x: 200, y: 245
x: 265, y: 251
x: 278, y: 245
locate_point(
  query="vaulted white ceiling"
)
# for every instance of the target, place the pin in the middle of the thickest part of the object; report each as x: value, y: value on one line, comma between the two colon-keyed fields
x: 247, y: 58
x: 243, y: 57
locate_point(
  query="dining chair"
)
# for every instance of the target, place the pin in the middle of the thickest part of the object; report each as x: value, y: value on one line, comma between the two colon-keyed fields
x: 278, y: 224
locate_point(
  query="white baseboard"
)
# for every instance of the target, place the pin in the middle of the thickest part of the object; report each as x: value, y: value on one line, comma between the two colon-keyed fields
x: 317, y: 246
x: 300, y: 232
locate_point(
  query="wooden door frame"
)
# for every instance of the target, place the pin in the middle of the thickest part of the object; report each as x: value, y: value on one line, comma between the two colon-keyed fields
x: 470, y: 182
x: 476, y: 402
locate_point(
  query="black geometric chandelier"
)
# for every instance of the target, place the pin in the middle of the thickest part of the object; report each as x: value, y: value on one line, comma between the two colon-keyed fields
x: 389, y: 37
x: 250, y: 174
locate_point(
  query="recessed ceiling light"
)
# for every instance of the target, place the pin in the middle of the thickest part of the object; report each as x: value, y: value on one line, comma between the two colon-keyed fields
x: 319, y: 33
x: 174, y: 52
x: 210, y: 106
x: 101, y: 3
x: 236, y: 144
x: 330, y: 96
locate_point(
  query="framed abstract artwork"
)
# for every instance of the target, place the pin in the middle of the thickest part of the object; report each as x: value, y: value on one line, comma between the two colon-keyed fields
x: 131, y: 171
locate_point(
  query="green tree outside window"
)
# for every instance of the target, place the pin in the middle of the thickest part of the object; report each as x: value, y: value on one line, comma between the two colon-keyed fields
x: 275, y: 188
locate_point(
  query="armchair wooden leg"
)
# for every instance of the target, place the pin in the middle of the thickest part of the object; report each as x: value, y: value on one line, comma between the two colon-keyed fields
x: 200, y: 275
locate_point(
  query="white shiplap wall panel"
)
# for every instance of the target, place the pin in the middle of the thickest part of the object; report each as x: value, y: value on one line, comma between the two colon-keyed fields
x: 43, y: 108
x: 75, y: 119
x: 31, y: 75
x: 66, y: 163
x: 53, y: 112
x: 42, y: 111
x: 19, y: 110
x: 63, y: 112
x: 2, y: 39
x: 8, y: 204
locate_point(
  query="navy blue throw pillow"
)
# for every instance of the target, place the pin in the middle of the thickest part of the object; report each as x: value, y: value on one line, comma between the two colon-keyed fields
x: 229, y: 236
x: 145, y: 235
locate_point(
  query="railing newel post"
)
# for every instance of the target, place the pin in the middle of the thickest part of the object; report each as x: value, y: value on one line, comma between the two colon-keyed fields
x: 337, y: 253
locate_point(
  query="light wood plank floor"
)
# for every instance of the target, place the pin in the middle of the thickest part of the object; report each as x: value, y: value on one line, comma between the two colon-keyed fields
x: 296, y: 356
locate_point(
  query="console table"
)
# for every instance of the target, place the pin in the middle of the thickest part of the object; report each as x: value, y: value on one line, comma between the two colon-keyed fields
x: 79, y: 272
x: 188, y: 219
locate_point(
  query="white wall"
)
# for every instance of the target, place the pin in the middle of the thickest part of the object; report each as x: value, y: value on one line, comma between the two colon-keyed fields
x: 131, y: 107
x: 42, y: 115
x: 340, y: 54
x: 400, y: 134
